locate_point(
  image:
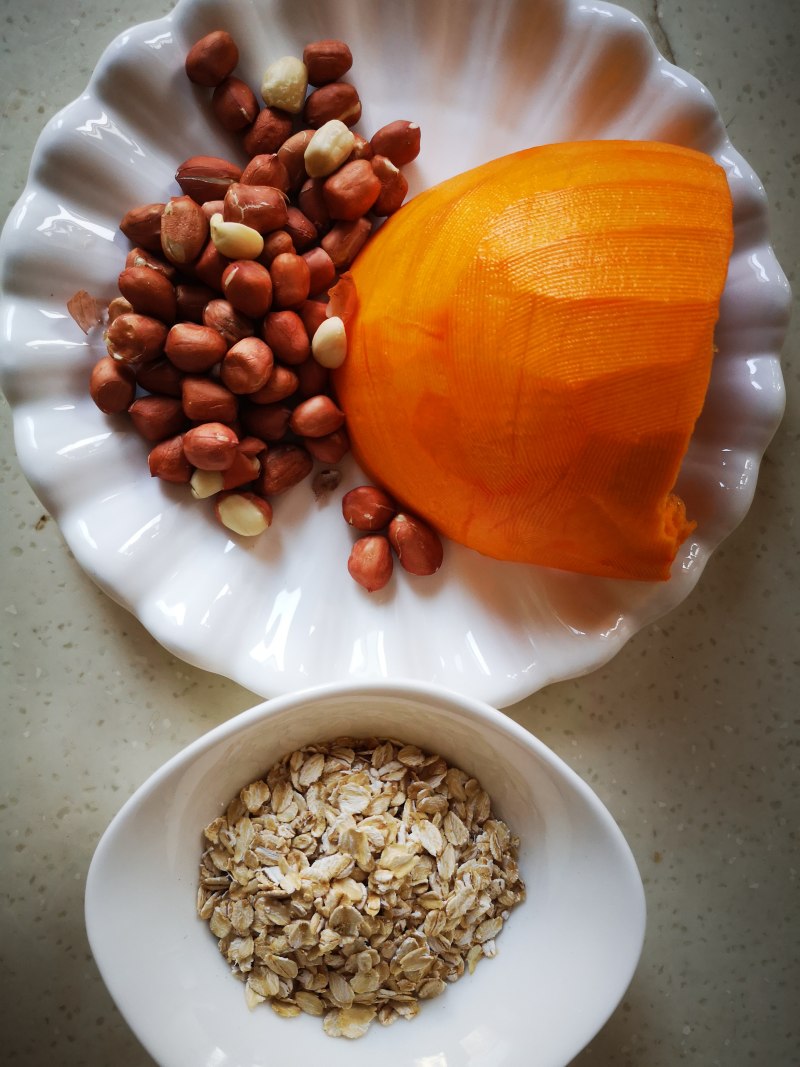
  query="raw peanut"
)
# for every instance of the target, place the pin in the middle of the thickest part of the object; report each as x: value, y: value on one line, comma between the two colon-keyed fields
x: 206, y: 177
x: 167, y: 461
x: 234, y: 104
x: 302, y: 231
x: 370, y: 563
x: 399, y: 141
x: 243, y: 470
x: 282, y: 383
x: 140, y: 257
x: 247, y: 366
x: 316, y: 417
x: 345, y: 240
x: 329, y: 343
x: 311, y: 202
x: 149, y: 293
x: 207, y: 401
x: 160, y: 377
x: 337, y: 100
x: 312, y: 378
x: 212, y: 58
x: 274, y: 243
x: 118, y: 306
x: 135, y: 339
x: 112, y: 386
x: 283, y: 467
x: 248, y: 287
x: 260, y: 206
x: 184, y: 230
x: 271, y: 128
x: 286, y: 335
x: 209, y: 266
x: 362, y: 149
x: 291, y: 278
x: 326, y: 61
x: 269, y: 422
x: 192, y: 347
x: 328, y: 148
x: 232, y: 326
x: 251, y: 446
x: 212, y: 207
x: 368, y: 508
x: 284, y: 84
x: 211, y: 447
x: 313, y: 313
x: 323, y: 272
x: 292, y: 155
x: 204, y: 484
x: 351, y: 191
x: 330, y: 448
x: 191, y: 300
x: 417, y: 546
x: 156, y: 417
x: 243, y: 513
x: 142, y: 226
x: 234, y: 240
x: 393, y: 186
x: 266, y: 169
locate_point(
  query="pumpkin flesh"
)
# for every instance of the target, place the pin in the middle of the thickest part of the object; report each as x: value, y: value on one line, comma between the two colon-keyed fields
x: 532, y: 346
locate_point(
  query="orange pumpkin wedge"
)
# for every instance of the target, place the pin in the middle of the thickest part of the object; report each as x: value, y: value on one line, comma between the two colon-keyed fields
x: 532, y: 346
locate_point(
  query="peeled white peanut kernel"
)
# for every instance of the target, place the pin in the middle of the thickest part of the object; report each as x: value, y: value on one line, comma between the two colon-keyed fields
x: 205, y: 484
x: 242, y: 516
x: 329, y: 343
x: 328, y: 148
x: 235, y: 240
x: 284, y: 84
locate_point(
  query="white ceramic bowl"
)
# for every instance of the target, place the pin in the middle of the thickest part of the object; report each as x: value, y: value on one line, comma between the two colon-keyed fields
x: 564, y: 959
x: 482, y: 77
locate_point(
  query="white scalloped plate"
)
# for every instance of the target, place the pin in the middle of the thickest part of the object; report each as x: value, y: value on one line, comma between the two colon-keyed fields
x: 482, y: 77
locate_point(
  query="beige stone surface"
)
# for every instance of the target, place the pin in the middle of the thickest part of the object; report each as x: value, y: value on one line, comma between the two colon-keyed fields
x: 689, y: 735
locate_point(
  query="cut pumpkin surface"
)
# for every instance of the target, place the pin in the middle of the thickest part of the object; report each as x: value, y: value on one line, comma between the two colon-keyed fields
x: 532, y: 346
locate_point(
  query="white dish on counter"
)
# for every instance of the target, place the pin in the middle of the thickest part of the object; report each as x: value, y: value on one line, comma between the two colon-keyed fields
x: 564, y: 960
x: 283, y: 613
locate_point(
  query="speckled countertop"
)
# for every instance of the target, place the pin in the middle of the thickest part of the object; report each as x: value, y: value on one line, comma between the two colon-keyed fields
x: 689, y: 735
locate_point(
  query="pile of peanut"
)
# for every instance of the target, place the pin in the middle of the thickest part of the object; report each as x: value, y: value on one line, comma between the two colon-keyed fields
x: 221, y: 342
